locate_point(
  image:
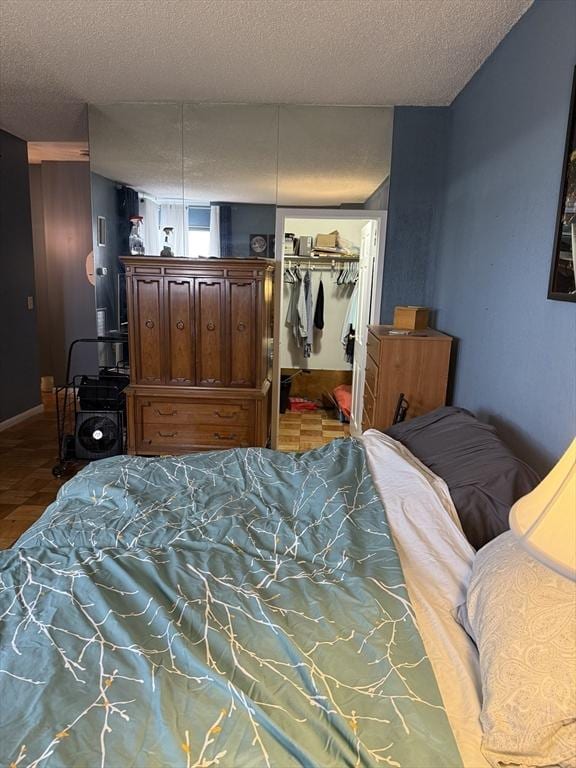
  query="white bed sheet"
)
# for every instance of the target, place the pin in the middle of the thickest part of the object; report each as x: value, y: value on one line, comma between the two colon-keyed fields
x: 437, y: 562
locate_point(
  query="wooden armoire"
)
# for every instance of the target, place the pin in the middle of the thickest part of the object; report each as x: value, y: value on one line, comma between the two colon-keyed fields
x: 200, y: 339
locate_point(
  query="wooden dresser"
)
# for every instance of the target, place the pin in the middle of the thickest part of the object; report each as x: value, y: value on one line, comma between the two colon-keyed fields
x: 200, y: 338
x: 415, y: 364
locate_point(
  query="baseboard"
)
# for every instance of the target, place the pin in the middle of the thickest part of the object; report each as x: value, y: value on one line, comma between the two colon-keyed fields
x: 21, y: 417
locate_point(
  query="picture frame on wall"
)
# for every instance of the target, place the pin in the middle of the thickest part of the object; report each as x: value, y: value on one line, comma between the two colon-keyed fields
x: 562, y: 283
x: 258, y: 245
x: 102, y: 235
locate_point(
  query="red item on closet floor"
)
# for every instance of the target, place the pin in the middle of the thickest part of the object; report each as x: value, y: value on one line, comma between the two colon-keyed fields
x: 301, y: 404
x: 343, y: 396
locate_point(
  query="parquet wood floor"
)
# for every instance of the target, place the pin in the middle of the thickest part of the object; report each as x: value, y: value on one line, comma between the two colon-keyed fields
x: 304, y: 431
x: 28, y: 451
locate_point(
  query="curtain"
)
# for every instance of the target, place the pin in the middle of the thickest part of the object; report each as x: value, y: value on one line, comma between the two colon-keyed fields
x: 175, y: 215
x: 150, y: 210
x: 214, y: 248
x: 226, y: 231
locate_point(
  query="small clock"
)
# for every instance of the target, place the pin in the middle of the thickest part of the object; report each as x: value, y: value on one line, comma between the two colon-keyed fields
x: 258, y: 245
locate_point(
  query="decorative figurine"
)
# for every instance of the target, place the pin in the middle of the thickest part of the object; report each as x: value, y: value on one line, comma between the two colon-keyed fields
x: 135, y: 241
x: 168, y: 249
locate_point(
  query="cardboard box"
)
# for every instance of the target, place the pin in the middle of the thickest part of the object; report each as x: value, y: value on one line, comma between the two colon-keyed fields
x: 327, y: 241
x: 411, y: 318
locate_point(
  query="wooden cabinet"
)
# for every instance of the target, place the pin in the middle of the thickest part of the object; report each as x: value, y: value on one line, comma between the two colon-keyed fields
x: 179, y: 302
x: 200, y: 333
x: 242, y: 298
x: 211, y: 333
x: 148, y: 330
x: 415, y: 364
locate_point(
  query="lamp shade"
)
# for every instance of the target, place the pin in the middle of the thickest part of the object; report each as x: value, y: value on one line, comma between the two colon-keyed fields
x: 545, y: 519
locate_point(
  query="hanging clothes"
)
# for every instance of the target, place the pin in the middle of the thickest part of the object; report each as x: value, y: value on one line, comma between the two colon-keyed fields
x: 349, y: 348
x: 296, y: 314
x: 295, y: 317
x: 309, y: 312
x: 300, y: 314
x: 319, y: 311
x: 349, y: 326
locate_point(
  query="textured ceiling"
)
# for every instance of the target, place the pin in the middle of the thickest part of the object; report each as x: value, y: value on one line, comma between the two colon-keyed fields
x: 290, y: 155
x: 55, y: 55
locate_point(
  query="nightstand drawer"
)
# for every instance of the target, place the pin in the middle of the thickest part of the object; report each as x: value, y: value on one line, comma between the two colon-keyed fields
x: 371, y: 376
x: 373, y: 347
x: 366, y: 422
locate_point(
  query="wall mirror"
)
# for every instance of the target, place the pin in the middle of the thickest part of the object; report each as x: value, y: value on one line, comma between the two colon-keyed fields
x: 205, y: 179
x: 135, y: 159
x: 562, y: 284
x: 334, y: 157
x: 230, y: 163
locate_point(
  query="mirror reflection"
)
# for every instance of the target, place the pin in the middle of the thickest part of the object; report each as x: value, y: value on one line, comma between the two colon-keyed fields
x: 334, y: 157
x: 190, y: 180
x: 230, y: 178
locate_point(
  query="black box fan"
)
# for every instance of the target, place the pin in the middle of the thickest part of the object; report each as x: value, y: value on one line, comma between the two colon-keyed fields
x: 98, y: 434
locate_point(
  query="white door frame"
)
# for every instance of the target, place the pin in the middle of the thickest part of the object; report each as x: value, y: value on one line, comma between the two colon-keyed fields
x: 316, y: 213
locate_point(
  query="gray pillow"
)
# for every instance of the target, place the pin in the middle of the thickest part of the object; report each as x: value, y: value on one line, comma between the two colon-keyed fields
x: 483, y: 475
x: 522, y: 617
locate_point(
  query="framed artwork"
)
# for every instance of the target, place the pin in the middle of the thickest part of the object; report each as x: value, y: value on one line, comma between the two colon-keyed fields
x: 562, y: 285
x: 101, y: 231
x: 258, y: 245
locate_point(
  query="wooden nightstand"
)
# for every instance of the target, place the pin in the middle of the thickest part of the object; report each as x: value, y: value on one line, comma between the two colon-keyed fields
x: 414, y: 363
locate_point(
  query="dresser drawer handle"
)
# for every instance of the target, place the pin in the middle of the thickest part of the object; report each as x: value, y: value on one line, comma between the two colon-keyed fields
x: 210, y: 327
x: 149, y: 324
x: 167, y: 434
x: 164, y: 413
x: 241, y: 326
x: 218, y: 436
x: 180, y: 325
x: 224, y: 415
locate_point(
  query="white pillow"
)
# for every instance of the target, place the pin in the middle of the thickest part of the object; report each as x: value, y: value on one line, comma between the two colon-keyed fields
x: 522, y: 616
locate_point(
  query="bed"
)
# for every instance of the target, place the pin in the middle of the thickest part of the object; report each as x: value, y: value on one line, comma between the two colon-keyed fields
x: 243, y: 608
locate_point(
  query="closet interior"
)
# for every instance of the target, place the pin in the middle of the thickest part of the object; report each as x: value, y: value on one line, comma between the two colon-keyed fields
x: 321, y: 285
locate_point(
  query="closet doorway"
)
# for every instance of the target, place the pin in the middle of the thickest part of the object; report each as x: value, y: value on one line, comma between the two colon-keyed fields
x: 315, y: 350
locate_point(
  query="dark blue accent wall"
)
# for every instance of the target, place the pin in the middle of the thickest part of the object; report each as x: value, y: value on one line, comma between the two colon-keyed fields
x: 19, y: 373
x: 107, y: 257
x: 247, y: 219
x: 416, y: 177
x: 516, y: 352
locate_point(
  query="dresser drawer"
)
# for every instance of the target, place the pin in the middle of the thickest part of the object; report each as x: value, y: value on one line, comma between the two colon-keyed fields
x: 172, y: 412
x: 366, y: 422
x: 369, y: 405
x: 373, y: 347
x: 371, y: 377
x: 194, y: 436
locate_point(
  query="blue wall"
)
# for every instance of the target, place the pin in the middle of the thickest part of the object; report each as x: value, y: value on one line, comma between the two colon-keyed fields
x: 416, y: 176
x: 516, y: 355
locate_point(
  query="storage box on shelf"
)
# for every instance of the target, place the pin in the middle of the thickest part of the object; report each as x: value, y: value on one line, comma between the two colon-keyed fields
x: 411, y: 318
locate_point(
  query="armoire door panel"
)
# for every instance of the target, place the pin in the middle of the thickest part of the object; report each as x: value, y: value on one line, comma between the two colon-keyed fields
x: 242, y: 319
x: 210, y: 333
x: 179, y: 300
x: 148, y: 315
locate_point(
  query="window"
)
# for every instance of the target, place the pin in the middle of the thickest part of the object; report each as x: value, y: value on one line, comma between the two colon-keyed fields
x: 198, y: 230
x: 198, y: 242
